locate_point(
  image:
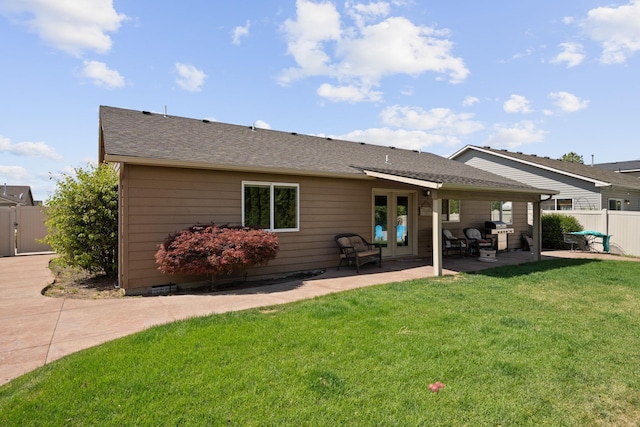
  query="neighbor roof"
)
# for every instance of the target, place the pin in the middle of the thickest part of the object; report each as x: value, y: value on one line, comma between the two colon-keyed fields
x: 18, y: 194
x: 600, y: 177
x: 626, y: 166
x: 131, y: 136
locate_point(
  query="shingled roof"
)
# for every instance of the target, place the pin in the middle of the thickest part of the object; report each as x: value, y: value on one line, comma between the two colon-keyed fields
x: 622, y: 167
x: 599, y: 176
x: 16, y: 195
x: 148, y: 138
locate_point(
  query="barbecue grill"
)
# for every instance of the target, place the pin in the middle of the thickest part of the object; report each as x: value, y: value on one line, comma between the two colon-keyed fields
x: 499, y: 229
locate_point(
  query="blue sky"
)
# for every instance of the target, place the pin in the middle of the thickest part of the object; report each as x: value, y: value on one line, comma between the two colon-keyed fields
x: 543, y: 77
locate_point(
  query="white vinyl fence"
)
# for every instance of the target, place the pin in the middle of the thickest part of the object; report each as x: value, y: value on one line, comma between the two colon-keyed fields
x: 623, y: 226
x: 20, y: 229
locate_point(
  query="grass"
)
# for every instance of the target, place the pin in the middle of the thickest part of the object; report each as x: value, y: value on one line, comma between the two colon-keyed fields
x: 553, y: 343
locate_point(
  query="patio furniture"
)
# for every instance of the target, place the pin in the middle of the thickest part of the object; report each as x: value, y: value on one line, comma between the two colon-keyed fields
x: 527, y: 241
x: 451, y: 242
x: 476, y: 241
x: 590, y: 237
x: 574, y: 239
x: 355, y: 249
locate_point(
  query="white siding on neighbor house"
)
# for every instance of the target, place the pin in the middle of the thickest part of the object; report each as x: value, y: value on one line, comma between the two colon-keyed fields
x: 632, y: 196
x: 584, y: 193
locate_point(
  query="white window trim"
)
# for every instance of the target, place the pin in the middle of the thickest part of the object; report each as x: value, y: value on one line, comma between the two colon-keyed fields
x: 447, y: 216
x: 617, y: 200
x: 271, y: 186
x: 501, y: 211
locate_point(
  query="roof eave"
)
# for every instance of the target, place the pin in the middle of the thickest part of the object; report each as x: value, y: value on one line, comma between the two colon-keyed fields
x: 596, y: 182
x: 487, y: 189
x: 143, y: 161
x: 457, y: 187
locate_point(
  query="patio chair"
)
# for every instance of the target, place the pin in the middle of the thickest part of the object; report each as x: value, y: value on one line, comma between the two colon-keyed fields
x: 476, y: 241
x: 450, y: 242
x: 355, y: 249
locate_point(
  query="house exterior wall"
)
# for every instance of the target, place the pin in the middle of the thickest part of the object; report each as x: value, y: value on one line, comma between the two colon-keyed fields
x: 156, y: 201
x: 584, y: 194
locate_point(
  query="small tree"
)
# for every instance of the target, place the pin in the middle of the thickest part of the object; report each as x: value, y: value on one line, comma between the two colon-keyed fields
x: 82, y: 219
x: 572, y: 157
x: 210, y: 250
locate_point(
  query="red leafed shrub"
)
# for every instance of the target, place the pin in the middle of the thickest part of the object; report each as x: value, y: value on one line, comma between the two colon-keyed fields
x: 211, y: 250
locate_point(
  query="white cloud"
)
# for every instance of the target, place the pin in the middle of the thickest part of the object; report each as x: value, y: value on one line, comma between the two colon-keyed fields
x: 400, y: 138
x: 239, y: 32
x: 71, y: 26
x: 572, y: 54
x: 348, y: 93
x: 437, y: 120
x: 360, y: 56
x: 568, y: 102
x: 261, y: 124
x: 190, y: 78
x: 362, y: 13
x: 421, y: 128
x: 101, y: 74
x: 517, y: 104
x: 469, y: 101
x: 28, y: 149
x: 13, y: 173
x: 524, y: 132
x: 616, y: 28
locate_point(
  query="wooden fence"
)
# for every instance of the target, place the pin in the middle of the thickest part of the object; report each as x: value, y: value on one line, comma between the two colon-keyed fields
x: 20, y: 229
x: 623, y: 226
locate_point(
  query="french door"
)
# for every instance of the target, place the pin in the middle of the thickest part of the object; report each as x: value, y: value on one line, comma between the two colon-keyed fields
x: 393, y: 222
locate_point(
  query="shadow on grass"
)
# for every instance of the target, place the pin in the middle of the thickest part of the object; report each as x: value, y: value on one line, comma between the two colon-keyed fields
x: 533, y: 267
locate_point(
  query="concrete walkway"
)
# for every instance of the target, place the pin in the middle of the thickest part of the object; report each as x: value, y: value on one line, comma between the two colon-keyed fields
x: 35, y: 330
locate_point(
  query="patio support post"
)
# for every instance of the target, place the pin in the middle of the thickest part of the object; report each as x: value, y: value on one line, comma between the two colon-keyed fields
x: 437, y: 237
x: 537, y: 232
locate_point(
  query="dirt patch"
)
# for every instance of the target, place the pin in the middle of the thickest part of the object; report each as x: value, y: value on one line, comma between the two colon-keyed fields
x: 77, y: 284
x: 73, y: 283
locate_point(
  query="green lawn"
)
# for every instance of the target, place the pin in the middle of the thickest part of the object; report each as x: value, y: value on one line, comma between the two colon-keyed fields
x: 553, y: 343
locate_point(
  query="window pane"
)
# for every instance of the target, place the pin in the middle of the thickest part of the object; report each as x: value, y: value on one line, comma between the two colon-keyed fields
x: 380, y: 219
x: 257, y: 202
x: 565, y: 204
x: 495, y: 211
x: 286, y: 204
x: 454, y: 210
x: 615, y: 204
x: 507, y: 212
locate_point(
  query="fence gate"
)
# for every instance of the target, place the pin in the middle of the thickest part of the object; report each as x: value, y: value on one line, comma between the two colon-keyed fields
x: 20, y: 229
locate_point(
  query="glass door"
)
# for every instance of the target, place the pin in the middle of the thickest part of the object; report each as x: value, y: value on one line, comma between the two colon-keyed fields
x: 393, y: 223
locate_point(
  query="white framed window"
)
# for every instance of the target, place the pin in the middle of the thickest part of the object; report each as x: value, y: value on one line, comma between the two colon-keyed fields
x: 616, y: 204
x: 564, y: 204
x: 451, y: 210
x: 273, y: 206
x: 502, y: 211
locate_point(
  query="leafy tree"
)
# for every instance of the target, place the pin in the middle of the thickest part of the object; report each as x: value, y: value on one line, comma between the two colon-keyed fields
x: 82, y: 219
x: 572, y: 157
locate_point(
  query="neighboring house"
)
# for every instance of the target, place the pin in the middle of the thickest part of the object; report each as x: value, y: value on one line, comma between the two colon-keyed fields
x: 579, y: 186
x: 16, y: 195
x: 631, y: 167
x: 175, y: 172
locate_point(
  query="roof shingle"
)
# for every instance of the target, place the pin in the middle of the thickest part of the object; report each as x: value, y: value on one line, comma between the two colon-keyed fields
x: 135, y: 136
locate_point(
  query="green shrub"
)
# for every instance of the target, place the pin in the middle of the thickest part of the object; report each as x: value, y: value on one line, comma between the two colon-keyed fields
x: 82, y: 219
x: 553, y: 227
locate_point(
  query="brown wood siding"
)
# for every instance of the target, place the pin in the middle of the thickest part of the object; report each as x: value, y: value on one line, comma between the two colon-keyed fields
x: 156, y: 201
x: 160, y: 201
